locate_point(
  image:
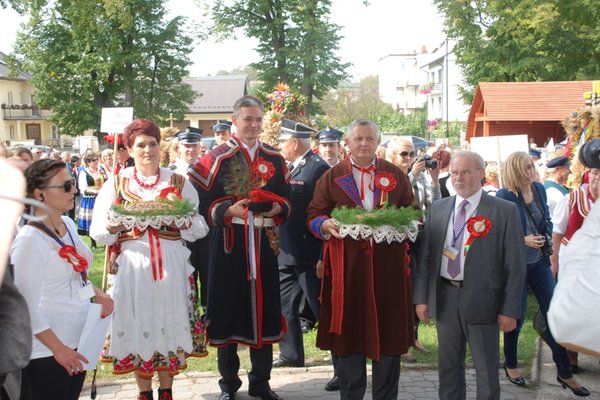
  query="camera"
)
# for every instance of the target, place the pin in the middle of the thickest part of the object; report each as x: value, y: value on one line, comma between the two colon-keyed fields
x: 546, y: 248
x: 430, y: 163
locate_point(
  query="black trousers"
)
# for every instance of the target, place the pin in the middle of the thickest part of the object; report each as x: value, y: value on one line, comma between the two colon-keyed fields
x: 228, y: 362
x: 199, y: 260
x: 294, y: 281
x: 50, y: 381
x: 352, y: 371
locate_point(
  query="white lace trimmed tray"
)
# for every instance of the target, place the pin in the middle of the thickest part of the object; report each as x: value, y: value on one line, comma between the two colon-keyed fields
x: 381, y: 234
x: 154, y: 221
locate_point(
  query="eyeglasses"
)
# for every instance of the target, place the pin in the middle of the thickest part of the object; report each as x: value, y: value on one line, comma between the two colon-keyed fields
x: 464, y: 172
x: 93, y: 159
x: 67, y: 186
x: 406, y: 154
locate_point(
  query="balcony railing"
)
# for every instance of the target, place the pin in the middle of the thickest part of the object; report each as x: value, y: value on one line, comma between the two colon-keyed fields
x: 32, y: 113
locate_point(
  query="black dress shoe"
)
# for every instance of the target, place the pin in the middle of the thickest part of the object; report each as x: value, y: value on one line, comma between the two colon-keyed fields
x: 227, y: 396
x: 519, y: 381
x: 264, y: 395
x: 333, y: 385
x: 279, y: 363
x: 578, y: 391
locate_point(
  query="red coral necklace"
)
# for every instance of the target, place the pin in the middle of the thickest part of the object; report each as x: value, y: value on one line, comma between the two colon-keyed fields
x: 146, y: 185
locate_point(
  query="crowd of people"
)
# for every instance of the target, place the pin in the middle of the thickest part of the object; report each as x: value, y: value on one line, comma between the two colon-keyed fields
x: 261, y: 237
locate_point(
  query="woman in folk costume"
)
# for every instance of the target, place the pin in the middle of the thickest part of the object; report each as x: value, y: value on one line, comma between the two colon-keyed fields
x: 90, y: 179
x: 152, y: 292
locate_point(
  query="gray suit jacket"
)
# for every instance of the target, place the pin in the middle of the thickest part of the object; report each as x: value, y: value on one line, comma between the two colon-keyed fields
x: 495, y: 265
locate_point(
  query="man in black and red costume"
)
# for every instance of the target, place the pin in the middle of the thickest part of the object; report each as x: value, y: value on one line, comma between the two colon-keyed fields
x: 243, y: 193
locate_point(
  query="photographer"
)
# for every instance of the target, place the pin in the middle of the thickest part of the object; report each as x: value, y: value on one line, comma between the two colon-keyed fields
x: 401, y: 152
x: 520, y: 187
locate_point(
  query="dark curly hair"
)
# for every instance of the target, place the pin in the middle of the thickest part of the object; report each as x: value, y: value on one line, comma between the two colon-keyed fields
x: 442, y: 156
x: 140, y: 127
x: 39, y: 174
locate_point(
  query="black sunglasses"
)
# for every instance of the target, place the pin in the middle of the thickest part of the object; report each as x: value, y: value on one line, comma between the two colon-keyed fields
x: 407, y: 154
x: 67, y: 186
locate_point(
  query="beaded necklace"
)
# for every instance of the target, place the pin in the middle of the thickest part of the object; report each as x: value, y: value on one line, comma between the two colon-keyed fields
x: 146, y: 185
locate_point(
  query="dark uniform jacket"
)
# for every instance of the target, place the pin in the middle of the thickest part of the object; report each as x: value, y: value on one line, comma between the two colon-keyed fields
x: 298, y: 245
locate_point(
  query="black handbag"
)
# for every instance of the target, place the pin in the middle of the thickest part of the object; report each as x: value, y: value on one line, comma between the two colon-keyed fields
x: 540, y: 324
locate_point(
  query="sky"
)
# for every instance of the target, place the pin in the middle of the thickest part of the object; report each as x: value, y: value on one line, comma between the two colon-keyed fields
x: 369, y: 33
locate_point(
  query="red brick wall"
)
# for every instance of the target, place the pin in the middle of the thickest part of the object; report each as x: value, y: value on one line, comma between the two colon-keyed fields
x: 540, y: 131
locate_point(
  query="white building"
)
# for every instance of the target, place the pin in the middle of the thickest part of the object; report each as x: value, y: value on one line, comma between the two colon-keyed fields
x: 23, y: 121
x: 443, y: 78
x: 400, y: 80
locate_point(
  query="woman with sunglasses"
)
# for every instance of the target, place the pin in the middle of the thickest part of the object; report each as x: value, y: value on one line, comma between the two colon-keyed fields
x: 51, y: 263
x: 151, y: 329
x: 90, y: 179
x: 520, y: 186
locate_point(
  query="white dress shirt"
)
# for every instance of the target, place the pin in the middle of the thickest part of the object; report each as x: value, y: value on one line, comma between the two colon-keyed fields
x: 470, y: 211
x: 368, y: 180
x: 251, y: 150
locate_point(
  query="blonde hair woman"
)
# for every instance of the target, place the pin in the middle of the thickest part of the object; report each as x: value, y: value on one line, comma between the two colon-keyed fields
x: 492, y: 184
x: 520, y: 187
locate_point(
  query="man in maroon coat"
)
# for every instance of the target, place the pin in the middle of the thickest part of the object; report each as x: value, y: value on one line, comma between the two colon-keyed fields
x: 366, y: 306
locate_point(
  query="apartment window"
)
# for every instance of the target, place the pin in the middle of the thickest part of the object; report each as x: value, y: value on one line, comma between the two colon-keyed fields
x: 11, y: 132
x: 54, y: 132
x: 10, y: 99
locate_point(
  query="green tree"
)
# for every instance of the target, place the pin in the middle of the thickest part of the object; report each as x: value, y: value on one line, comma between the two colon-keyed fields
x: 14, y: 4
x: 86, y: 54
x: 352, y: 101
x: 297, y: 42
x: 523, y: 40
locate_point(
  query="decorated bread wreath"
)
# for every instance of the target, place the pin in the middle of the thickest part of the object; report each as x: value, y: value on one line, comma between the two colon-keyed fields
x: 382, y: 224
x: 167, y: 209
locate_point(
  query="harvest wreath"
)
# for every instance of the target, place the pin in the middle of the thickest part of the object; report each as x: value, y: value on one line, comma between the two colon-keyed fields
x: 168, y: 209
x: 382, y: 224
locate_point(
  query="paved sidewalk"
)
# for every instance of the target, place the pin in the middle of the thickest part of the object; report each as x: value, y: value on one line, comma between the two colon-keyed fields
x: 549, y: 389
x: 416, y: 382
x: 304, y: 383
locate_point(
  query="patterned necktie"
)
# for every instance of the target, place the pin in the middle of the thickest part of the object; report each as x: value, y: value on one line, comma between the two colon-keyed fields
x: 458, y: 233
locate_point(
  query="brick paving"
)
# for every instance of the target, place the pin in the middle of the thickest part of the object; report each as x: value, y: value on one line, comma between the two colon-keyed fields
x: 416, y: 382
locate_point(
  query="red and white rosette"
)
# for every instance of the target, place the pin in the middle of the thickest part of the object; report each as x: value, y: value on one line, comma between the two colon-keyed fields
x: 386, y: 182
x: 478, y: 226
x: 79, y: 263
x: 263, y: 169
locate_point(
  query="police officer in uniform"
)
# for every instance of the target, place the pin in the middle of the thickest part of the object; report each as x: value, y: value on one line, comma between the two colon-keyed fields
x: 222, y: 131
x: 329, y: 145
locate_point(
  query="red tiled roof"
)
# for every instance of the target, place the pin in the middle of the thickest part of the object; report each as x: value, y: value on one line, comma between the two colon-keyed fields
x: 503, y: 107
x: 531, y: 101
